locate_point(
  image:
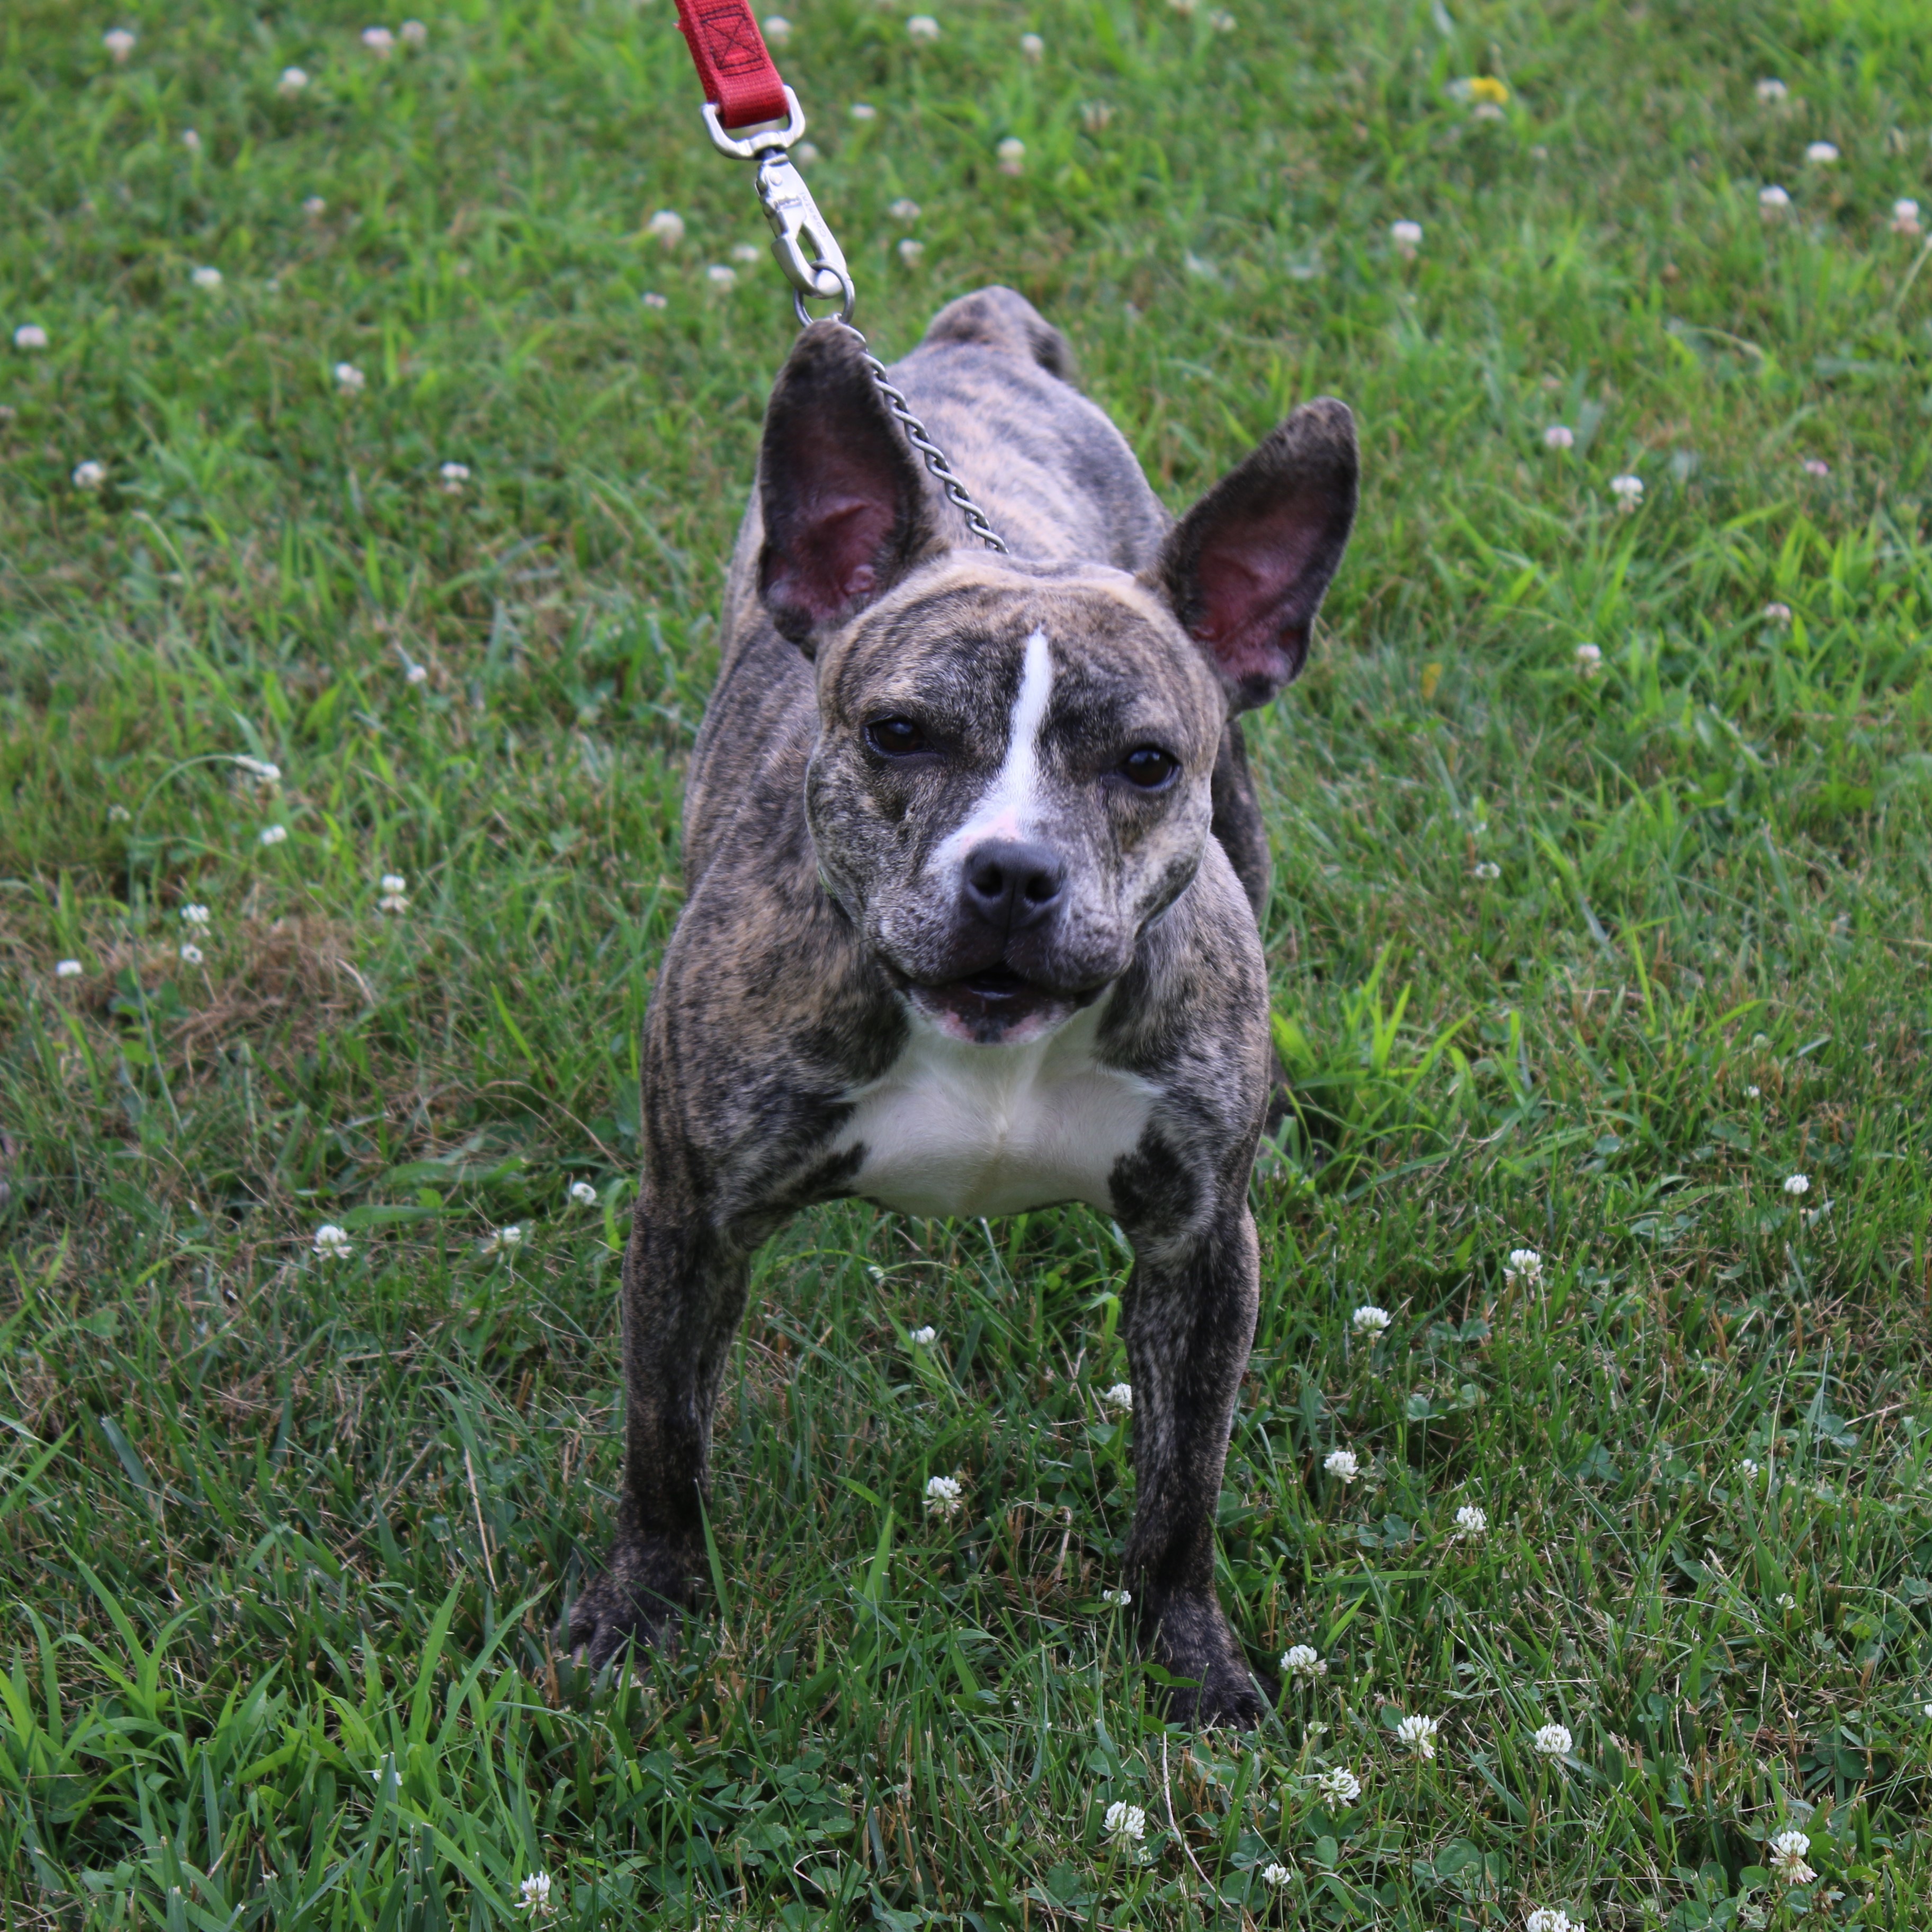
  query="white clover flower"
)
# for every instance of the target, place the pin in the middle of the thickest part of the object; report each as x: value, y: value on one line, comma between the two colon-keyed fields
x: 910, y: 250
x: 583, y: 1194
x: 1011, y: 155
x: 1559, y: 436
x: 1340, y: 1784
x: 331, y: 1243
x: 191, y: 141
x: 653, y: 300
x: 1183, y: 6
x: 1787, y: 1858
x: 1905, y: 216
x: 1486, y: 869
x: 1342, y: 1464
x: 1222, y: 21
x: 1752, y: 1092
x: 1772, y: 202
x: 1120, y: 1396
x: 1095, y: 115
x: 1276, y: 1874
x: 922, y: 27
x: 533, y: 1896
x: 721, y: 275
x: 1407, y: 236
x: 90, y: 475
x: 451, y: 477
x: 805, y: 153
x: 1126, y: 1821
x: 292, y: 82
x: 903, y: 210
x: 119, y: 43
x: 1547, y: 1918
x: 417, y: 673
x: 1772, y: 90
x: 1419, y: 1735
x: 118, y: 815
x: 944, y: 1495
x: 415, y: 33
x: 1786, y: 1601
x: 1589, y: 660
x: 1524, y: 1265
x: 777, y: 30
x: 67, y: 969
x: 1925, y: 1709
x: 196, y: 915
x: 379, y: 40
x: 1817, y: 466
x: 1471, y: 1520
x: 1554, y: 1741
x: 1628, y: 490
x: 1033, y: 47
x: 864, y: 110
x: 395, y: 882
x: 315, y: 207
x: 395, y: 893
x: 190, y: 954
x: 272, y: 835
x: 30, y: 335
x: 1821, y: 154
x: 1797, y: 1183
x: 1369, y: 1319
x: 1303, y: 1662
x: 349, y: 379
x: 746, y: 251
x: 206, y: 278
x: 922, y: 1338
x: 667, y: 226
x: 1748, y: 1469
x: 1120, y: 1599
x: 503, y: 1239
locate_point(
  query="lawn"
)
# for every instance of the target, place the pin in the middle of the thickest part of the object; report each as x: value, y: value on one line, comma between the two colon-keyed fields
x: 1599, y: 942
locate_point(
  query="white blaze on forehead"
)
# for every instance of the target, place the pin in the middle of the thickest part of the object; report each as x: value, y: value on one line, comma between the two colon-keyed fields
x: 1010, y: 805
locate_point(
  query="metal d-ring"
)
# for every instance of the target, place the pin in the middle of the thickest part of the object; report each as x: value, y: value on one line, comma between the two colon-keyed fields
x: 848, y: 296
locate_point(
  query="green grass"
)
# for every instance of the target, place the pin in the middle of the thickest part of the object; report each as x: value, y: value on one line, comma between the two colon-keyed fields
x: 284, y: 1538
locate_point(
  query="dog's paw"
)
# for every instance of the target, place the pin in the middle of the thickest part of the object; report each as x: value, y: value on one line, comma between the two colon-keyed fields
x: 1193, y: 1643
x: 638, y: 1602
x: 1224, y: 1694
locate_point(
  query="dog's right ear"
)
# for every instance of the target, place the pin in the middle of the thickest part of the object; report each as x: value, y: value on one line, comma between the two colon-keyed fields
x: 846, y: 511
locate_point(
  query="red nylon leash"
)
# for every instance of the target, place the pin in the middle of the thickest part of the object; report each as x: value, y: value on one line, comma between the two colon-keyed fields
x: 733, y: 67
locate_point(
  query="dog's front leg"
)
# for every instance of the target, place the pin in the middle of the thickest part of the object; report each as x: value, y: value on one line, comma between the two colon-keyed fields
x: 684, y: 1286
x: 1190, y: 1324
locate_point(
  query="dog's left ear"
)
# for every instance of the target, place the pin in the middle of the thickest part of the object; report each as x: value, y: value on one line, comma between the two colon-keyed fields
x: 845, y: 507
x: 1245, y: 569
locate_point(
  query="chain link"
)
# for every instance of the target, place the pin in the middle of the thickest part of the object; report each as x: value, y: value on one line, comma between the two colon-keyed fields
x: 935, y: 458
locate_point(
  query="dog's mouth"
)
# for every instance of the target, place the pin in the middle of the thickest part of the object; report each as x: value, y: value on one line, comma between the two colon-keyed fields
x: 994, y: 1004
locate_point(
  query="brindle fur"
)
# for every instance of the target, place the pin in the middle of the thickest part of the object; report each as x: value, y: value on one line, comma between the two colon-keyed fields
x: 813, y: 908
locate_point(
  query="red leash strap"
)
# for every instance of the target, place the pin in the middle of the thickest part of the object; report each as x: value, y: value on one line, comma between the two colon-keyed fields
x: 733, y: 67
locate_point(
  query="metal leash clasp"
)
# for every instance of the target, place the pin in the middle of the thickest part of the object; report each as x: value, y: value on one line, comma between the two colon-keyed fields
x: 803, y: 242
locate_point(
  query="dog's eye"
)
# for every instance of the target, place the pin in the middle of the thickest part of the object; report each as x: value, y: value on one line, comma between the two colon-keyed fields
x: 1149, y: 767
x: 894, y: 737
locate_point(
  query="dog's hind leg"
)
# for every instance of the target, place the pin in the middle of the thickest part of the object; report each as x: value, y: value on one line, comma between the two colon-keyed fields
x: 1189, y: 1323
x: 685, y: 1286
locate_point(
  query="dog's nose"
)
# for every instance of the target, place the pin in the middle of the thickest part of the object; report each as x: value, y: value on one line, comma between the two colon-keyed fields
x: 1012, y: 885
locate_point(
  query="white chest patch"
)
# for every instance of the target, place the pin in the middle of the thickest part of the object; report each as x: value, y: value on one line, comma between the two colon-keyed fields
x: 955, y: 1128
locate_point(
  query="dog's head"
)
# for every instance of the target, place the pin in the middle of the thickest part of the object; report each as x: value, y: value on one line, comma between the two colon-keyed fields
x: 1012, y: 776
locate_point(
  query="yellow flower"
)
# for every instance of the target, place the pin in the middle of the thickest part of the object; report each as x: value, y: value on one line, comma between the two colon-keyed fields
x: 1486, y: 87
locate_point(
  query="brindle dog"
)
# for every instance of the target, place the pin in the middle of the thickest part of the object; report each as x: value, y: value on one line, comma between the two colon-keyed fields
x: 974, y: 869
